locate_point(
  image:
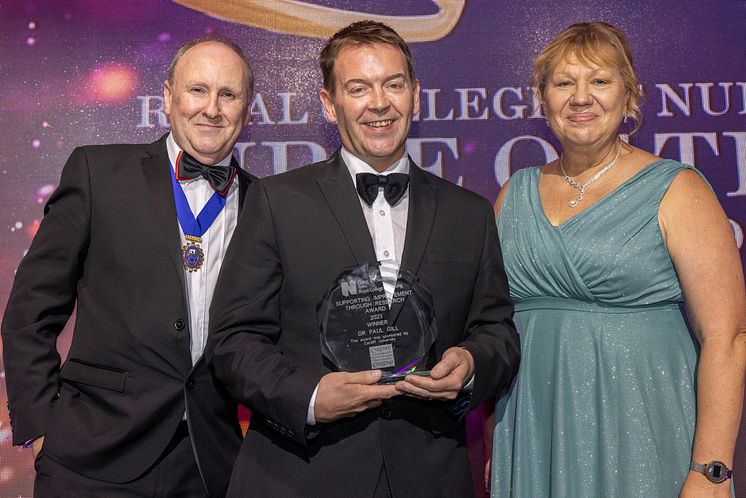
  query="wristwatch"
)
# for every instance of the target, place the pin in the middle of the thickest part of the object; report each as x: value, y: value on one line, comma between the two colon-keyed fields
x: 715, y: 471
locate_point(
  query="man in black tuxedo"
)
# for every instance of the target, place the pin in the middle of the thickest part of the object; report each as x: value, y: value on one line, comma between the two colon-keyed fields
x: 316, y: 432
x: 134, y: 410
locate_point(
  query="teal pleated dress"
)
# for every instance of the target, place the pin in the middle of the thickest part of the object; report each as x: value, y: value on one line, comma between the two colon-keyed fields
x: 604, y: 402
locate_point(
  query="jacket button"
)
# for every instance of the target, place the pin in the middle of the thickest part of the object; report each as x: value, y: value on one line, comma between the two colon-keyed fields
x: 385, y: 412
x: 179, y: 324
x: 190, y: 384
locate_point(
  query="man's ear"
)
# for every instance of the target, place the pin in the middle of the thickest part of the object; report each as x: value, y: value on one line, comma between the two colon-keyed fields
x: 416, y: 102
x: 328, y: 103
x: 247, y: 120
x: 167, y: 98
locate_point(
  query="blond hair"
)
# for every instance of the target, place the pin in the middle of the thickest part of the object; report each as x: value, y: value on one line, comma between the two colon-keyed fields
x: 598, y: 43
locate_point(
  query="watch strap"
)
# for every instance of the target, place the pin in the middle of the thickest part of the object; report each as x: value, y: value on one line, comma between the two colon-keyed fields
x: 697, y: 467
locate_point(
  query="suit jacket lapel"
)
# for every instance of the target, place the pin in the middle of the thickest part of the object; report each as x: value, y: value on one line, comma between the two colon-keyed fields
x: 423, y: 204
x: 423, y: 201
x: 340, y: 194
x: 244, y: 179
x: 158, y: 179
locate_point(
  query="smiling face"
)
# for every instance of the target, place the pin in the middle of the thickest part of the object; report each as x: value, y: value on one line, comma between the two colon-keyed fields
x: 373, y: 102
x: 207, y: 101
x: 584, y: 103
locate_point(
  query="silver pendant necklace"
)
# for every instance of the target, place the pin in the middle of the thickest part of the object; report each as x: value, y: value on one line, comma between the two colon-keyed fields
x: 581, y: 188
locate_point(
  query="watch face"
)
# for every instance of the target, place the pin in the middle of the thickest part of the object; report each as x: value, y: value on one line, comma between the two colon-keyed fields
x: 716, y: 471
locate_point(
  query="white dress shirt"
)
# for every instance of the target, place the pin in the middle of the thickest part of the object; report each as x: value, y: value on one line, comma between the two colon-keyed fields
x: 388, y: 228
x: 200, y: 284
x: 387, y: 224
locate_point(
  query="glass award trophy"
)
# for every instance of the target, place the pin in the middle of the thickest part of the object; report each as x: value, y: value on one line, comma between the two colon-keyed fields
x: 361, y: 329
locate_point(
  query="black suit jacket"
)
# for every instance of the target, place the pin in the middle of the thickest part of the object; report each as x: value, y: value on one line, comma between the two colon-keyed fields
x: 109, y: 242
x: 299, y: 231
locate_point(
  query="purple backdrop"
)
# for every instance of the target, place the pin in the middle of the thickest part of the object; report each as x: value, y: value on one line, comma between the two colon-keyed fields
x: 90, y: 71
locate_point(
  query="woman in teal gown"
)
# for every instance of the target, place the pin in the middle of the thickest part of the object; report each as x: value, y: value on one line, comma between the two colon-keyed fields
x: 615, y: 397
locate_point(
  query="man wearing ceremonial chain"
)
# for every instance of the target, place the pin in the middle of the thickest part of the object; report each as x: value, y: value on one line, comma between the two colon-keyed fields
x: 134, y: 237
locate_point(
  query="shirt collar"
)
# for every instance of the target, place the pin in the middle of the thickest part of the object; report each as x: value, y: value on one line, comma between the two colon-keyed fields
x: 356, y: 165
x: 174, y: 149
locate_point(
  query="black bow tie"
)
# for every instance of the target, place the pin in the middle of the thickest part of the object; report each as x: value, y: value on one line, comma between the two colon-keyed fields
x: 394, y: 186
x: 220, y: 177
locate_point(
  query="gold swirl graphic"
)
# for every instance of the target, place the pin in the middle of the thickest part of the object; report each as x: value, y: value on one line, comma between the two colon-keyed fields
x: 316, y: 21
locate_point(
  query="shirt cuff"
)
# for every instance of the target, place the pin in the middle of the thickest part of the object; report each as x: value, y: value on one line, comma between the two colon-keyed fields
x: 469, y: 386
x: 310, y: 416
